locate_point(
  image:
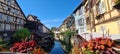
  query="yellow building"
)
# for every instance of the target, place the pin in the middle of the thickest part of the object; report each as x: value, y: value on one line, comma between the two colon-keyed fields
x: 103, y: 16
x: 63, y: 28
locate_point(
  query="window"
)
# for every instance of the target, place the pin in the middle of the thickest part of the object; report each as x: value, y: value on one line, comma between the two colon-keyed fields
x: 0, y: 6
x: 18, y: 21
x: 9, y: 8
x: 77, y: 13
x: 7, y: 27
x: 81, y: 22
x: 20, y: 27
x: 88, y: 21
x: 16, y: 11
x: 12, y: 10
x: 17, y: 27
x: 9, y: 2
x: 80, y: 12
x: 5, y: 7
x: 0, y: 16
x: 11, y: 19
x: 98, y: 8
x: 22, y: 21
x: 1, y: 26
x: 101, y: 7
x: 8, y: 18
x: 13, y: 27
x: 4, y: 17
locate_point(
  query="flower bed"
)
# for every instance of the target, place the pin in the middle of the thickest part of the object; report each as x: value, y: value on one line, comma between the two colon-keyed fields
x: 97, y: 46
x: 23, y: 47
x: 26, y: 47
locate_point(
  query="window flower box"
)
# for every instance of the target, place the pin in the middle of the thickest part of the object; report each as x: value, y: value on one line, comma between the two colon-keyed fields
x: 99, y: 16
x: 117, y: 5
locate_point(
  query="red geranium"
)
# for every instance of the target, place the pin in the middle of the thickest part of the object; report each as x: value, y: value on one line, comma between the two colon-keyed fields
x: 23, y: 47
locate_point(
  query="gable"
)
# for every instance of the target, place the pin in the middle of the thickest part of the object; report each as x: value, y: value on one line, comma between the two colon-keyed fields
x: 30, y: 18
x: 12, y: 7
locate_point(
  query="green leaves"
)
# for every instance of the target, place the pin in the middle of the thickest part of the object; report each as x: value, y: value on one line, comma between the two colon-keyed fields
x: 21, y: 34
x: 67, y: 37
x: 69, y: 33
x: 117, y: 2
x: 1, y: 41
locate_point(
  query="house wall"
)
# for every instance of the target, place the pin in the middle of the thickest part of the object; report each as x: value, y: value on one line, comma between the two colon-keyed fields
x: 80, y: 20
x: 110, y: 18
x: 11, y: 17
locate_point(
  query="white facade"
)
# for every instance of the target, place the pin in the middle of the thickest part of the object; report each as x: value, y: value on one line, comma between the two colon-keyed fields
x: 80, y: 20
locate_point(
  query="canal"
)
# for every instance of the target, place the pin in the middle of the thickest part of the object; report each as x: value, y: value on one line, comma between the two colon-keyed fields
x: 57, y: 49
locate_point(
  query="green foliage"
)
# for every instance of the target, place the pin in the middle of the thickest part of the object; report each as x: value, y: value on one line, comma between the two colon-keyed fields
x: 3, y: 44
x: 117, y: 2
x: 88, y: 52
x: 21, y: 34
x: 1, y: 41
x: 51, y: 33
x: 66, y: 40
x: 69, y: 33
x: 68, y: 43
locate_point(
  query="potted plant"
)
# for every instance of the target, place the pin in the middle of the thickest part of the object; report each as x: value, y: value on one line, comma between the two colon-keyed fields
x: 117, y: 4
x: 99, y: 16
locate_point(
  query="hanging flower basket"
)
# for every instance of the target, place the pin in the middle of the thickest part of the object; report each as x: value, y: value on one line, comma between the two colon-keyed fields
x: 99, y: 16
x: 117, y: 6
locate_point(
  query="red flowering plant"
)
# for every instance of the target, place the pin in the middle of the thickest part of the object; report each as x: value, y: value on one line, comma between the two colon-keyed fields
x: 23, y: 47
x: 99, y: 45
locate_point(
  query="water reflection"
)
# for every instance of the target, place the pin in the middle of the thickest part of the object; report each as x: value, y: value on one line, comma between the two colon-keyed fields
x: 57, y: 48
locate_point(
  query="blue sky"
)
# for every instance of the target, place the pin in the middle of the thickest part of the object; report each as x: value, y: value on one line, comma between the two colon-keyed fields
x: 51, y: 12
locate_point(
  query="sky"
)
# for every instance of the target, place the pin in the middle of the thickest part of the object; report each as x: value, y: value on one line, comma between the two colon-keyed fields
x: 50, y: 12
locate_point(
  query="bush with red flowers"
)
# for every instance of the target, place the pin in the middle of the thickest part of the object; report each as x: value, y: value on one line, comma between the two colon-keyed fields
x: 23, y: 47
x: 98, y: 45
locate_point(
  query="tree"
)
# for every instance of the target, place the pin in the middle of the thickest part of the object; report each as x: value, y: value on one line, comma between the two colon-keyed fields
x: 21, y: 34
x: 51, y: 33
x: 67, y: 37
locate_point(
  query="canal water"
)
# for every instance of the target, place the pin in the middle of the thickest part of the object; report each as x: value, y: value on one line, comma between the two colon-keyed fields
x: 57, y: 49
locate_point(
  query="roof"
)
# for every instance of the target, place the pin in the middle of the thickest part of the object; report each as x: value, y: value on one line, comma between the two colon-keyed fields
x: 79, y: 6
x: 40, y: 34
x: 67, y: 19
x: 33, y: 16
x: 20, y: 8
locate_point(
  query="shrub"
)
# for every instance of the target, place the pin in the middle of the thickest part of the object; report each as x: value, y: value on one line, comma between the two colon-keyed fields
x: 67, y: 42
x: 21, y: 34
x: 117, y: 2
